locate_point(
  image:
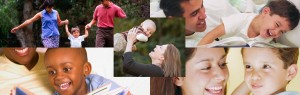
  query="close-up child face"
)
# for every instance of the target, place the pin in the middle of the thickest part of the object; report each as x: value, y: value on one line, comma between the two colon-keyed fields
x: 206, y: 73
x: 23, y: 56
x: 76, y: 34
x: 65, y: 67
x: 264, y: 71
x: 149, y: 30
x: 273, y: 25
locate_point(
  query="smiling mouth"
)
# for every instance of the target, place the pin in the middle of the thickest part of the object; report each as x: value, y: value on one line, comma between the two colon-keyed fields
x: 65, y: 86
x: 269, y: 33
x: 216, y: 90
x: 22, y: 51
x: 201, y: 23
x: 256, y: 86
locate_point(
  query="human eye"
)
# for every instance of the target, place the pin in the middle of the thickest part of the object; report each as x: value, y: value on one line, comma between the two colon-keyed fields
x: 51, y: 72
x: 223, y: 65
x: 66, y: 69
x: 281, y: 32
x: 194, y: 13
x: 266, y: 66
x: 277, y: 24
x: 247, y: 66
x: 206, y: 68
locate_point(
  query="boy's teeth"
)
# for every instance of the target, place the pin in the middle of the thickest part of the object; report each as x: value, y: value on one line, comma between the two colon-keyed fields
x: 21, y: 50
x: 269, y: 33
x: 64, y: 86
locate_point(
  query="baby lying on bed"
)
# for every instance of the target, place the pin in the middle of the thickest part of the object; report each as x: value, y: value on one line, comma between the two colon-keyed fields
x: 145, y: 30
x: 273, y: 21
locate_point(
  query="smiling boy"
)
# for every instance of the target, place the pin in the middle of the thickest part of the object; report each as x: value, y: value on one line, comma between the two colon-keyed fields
x: 69, y: 72
x: 269, y: 70
x: 276, y: 18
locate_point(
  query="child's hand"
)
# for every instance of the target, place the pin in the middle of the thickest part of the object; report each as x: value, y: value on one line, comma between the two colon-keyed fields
x: 14, y: 30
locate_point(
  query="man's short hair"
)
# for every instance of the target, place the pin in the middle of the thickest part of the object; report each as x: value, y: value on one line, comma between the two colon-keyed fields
x: 172, y: 7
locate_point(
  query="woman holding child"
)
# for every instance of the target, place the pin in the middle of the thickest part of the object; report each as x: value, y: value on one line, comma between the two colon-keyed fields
x: 165, y: 60
x: 50, y: 22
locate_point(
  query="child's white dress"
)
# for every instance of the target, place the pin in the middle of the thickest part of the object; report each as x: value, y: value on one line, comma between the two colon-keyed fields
x: 75, y: 42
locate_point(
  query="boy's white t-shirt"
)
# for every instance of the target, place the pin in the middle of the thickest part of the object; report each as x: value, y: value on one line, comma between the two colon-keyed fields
x: 237, y: 25
x: 192, y: 40
x: 35, y: 80
x: 76, y: 42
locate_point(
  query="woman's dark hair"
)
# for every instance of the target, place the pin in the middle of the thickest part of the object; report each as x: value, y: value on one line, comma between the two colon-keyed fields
x: 47, y: 3
x: 172, y: 63
x: 164, y: 86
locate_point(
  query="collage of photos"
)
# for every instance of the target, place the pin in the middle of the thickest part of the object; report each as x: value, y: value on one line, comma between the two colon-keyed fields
x: 149, y: 47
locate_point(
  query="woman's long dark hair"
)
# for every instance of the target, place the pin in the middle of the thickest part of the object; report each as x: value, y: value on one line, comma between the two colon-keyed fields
x: 47, y: 3
x: 172, y: 63
x: 164, y: 86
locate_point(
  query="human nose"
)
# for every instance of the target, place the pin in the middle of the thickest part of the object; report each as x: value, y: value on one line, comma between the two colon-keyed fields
x: 202, y: 14
x: 255, y: 76
x: 219, y: 74
x: 59, y: 76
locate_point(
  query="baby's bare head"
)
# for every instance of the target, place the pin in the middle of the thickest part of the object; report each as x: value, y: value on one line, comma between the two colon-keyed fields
x: 149, y: 27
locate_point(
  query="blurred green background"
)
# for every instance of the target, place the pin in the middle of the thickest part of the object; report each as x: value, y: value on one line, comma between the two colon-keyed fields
x: 168, y: 31
x: 78, y: 12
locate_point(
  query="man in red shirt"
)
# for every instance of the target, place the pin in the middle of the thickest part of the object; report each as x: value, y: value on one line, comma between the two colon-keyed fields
x: 104, y: 16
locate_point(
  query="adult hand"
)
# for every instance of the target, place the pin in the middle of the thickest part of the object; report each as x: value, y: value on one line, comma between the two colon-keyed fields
x: 14, y: 30
x: 88, y: 27
x: 131, y: 39
x: 66, y: 21
x: 131, y: 36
